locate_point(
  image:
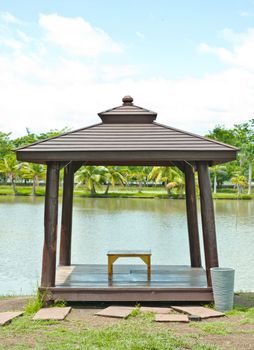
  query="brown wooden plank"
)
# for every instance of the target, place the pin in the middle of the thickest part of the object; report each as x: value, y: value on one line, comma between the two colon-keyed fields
x: 208, y: 219
x: 129, y: 253
x: 50, y: 226
x: 132, y: 157
x: 192, y: 216
x: 66, y: 224
x: 131, y: 276
x: 132, y: 295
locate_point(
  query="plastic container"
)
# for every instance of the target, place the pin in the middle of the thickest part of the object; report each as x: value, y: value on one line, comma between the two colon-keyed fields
x: 223, y: 287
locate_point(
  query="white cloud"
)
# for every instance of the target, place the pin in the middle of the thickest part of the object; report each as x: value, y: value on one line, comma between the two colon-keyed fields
x: 11, y: 43
x: 41, y: 91
x: 23, y: 36
x: 242, y: 52
x: 111, y: 72
x: 246, y: 14
x: 8, y: 18
x: 77, y: 37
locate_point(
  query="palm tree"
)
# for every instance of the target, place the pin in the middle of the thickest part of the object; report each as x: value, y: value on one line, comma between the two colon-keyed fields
x: 115, y: 175
x: 239, y: 182
x: 34, y: 172
x: 9, y: 167
x: 92, y: 177
x: 140, y: 174
x: 249, y: 155
x: 217, y: 170
x: 170, y: 176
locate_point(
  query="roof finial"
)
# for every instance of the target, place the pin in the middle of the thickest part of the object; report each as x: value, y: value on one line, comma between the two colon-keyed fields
x: 127, y: 100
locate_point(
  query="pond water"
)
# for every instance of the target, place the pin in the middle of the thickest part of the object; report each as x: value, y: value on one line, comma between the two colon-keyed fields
x: 100, y: 225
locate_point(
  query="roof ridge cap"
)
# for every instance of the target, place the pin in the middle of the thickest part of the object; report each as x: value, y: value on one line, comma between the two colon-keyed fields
x: 122, y: 106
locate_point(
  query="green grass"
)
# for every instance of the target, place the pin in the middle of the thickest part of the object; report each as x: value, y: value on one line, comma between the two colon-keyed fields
x: 119, y: 192
x: 136, y: 333
x: 35, y: 304
x: 232, y: 196
x: 218, y: 328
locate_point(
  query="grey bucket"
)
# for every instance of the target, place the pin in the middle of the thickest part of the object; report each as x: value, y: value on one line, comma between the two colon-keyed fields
x: 223, y: 287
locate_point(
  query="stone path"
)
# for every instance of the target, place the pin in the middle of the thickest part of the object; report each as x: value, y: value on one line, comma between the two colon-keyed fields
x: 162, y: 314
x: 52, y: 313
x: 156, y: 310
x: 7, y: 316
x: 116, y: 311
x: 202, y: 312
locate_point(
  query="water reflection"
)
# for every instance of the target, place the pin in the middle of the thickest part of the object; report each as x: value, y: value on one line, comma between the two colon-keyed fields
x: 103, y: 224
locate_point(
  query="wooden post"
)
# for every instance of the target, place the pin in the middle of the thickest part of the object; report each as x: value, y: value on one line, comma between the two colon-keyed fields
x: 50, y: 226
x: 208, y: 220
x: 66, y: 224
x: 192, y: 218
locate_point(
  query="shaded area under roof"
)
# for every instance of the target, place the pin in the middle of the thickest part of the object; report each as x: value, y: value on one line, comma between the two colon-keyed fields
x: 128, y: 135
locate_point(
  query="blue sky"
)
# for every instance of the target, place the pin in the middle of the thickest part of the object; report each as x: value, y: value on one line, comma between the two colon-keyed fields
x: 61, y: 62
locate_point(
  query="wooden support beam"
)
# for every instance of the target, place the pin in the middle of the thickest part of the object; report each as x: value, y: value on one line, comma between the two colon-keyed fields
x: 66, y: 224
x: 208, y: 220
x: 50, y: 226
x: 180, y: 166
x: 192, y: 217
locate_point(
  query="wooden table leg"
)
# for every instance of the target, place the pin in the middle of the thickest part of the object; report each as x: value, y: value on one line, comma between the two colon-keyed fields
x: 111, y: 260
x: 110, y: 268
x: 147, y: 261
x: 149, y: 268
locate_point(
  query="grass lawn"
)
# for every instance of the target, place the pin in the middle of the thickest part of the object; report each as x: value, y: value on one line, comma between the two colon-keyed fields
x: 83, y: 330
x: 118, y: 191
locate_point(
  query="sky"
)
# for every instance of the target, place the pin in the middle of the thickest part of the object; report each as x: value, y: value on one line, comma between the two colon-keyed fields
x: 62, y: 62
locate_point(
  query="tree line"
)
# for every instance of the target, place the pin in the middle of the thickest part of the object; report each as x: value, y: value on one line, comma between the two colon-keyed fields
x: 237, y: 173
x: 240, y: 171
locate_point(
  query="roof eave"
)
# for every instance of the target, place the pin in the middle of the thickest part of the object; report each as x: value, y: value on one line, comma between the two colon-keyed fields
x: 155, y: 157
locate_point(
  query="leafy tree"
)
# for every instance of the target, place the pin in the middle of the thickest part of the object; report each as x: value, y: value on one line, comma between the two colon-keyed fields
x: 9, y: 167
x: 245, y: 136
x: 52, y: 133
x: 115, y: 175
x: 139, y: 174
x: 92, y: 177
x: 239, y: 182
x: 216, y: 171
x: 34, y: 172
x: 25, y: 140
x: 169, y: 176
x: 5, y: 144
x: 222, y: 134
x: 242, y: 136
x: 32, y: 137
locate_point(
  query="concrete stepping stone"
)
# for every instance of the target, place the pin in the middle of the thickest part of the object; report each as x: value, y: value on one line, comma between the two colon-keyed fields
x: 200, y: 311
x: 8, y: 316
x: 156, y: 310
x: 52, y: 313
x: 171, y: 318
x: 116, y: 311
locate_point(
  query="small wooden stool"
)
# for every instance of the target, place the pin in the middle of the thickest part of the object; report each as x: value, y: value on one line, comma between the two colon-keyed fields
x: 145, y: 255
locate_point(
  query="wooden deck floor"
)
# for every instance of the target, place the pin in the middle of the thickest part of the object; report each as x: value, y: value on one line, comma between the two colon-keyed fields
x: 88, y: 283
x: 131, y: 276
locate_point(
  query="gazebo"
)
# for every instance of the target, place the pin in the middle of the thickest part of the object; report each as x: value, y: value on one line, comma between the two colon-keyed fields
x: 128, y: 135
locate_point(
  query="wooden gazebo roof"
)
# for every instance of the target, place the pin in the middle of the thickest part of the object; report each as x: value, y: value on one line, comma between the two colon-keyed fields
x: 128, y: 134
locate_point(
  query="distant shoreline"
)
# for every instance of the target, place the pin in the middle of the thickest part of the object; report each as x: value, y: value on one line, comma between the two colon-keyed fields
x: 144, y: 193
